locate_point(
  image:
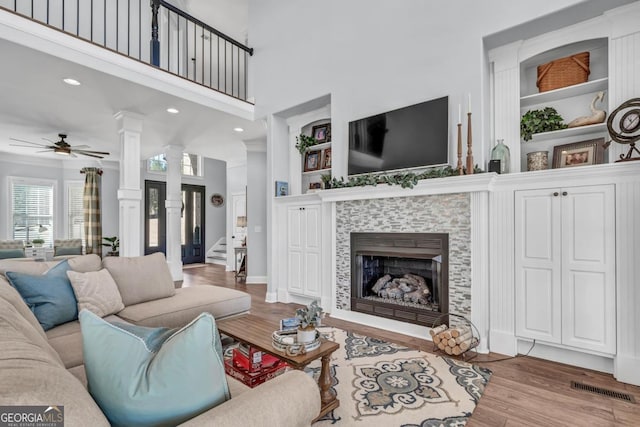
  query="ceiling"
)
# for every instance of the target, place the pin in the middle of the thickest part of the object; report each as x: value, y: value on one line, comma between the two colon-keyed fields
x: 37, y: 104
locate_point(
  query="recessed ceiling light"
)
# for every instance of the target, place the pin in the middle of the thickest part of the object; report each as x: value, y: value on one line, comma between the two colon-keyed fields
x: 173, y: 110
x: 72, y: 82
x: 238, y: 129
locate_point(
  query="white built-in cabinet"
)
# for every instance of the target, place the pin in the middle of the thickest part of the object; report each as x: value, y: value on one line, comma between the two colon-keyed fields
x: 304, y: 249
x: 565, y: 266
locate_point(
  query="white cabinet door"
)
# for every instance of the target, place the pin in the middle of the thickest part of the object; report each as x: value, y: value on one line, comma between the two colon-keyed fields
x: 304, y: 245
x: 565, y: 266
x: 538, y: 262
x: 588, y: 267
x: 295, y: 250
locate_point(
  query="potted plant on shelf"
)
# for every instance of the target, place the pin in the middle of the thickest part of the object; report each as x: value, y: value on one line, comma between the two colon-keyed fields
x: 309, y: 318
x: 114, y: 244
x: 537, y: 121
x: 37, y: 243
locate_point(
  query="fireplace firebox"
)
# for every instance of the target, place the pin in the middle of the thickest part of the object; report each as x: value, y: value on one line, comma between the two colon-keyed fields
x: 401, y: 276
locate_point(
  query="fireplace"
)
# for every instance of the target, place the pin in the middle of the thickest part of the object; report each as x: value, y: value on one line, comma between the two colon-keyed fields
x: 401, y: 276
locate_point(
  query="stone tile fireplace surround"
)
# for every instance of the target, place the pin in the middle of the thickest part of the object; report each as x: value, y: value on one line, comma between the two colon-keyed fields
x: 460, y: 211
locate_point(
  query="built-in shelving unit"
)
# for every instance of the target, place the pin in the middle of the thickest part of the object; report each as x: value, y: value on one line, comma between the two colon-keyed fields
x: 565, y: 92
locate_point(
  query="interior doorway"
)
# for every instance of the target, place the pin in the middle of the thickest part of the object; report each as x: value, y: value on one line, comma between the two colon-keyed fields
x: 192, y: 221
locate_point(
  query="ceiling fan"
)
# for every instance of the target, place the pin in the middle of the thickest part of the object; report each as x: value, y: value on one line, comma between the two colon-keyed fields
x: 61, y: 147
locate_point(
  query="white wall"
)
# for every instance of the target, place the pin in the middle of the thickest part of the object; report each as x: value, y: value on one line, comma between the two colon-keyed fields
x: 257, y: 212
x: 236, y: 183
x: 375, y: 55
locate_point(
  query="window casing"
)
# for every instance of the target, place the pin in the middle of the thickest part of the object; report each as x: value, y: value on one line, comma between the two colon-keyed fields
x: 190, y: 165
x: 32, y: 209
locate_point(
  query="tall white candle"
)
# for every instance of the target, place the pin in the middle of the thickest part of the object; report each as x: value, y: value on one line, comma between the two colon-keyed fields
x: 469, y: 102
x: 459, y: 113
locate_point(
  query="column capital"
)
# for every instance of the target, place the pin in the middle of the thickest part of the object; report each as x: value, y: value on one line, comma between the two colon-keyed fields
x: 128, y: 121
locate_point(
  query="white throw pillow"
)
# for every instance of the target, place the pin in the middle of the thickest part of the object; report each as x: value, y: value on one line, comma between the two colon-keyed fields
x: 96, y: 291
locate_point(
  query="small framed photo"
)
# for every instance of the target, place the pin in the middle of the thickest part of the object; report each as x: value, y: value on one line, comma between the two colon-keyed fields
x: 315, y: 186
x: 322, y: 133
x: 282, y: 188
x: 581, y: 153
x: 311, y: 161
x: 326, y: 158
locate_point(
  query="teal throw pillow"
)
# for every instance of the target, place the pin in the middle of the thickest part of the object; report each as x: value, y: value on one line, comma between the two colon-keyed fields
x: 49, y: 295
x: 58, y: 251
x: 143, y: 376
x: 11, y: 253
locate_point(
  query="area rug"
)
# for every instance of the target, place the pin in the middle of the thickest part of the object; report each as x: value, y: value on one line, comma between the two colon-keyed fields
x: 385, y: 384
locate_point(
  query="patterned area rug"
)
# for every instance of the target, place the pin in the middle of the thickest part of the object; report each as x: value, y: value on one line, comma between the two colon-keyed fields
x: 385, y: 384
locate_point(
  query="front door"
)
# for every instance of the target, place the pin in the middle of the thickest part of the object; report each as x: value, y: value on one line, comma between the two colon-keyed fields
x: 191, y: 221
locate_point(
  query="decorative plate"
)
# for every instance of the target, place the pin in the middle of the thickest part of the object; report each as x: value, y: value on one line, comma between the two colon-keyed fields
x: 217, y: 200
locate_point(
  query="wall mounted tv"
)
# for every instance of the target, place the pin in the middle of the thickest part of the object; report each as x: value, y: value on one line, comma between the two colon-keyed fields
x: 409, y: 137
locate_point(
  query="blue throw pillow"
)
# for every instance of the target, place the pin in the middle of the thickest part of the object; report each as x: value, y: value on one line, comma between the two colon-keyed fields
x: 11, y: 253
x: 50, y: 295
x: 153, y: 376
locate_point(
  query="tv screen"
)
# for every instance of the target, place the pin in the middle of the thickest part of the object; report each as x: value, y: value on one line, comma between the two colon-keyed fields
x: 408, y: 137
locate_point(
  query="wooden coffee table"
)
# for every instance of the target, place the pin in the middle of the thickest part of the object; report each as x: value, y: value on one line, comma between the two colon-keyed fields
x: 257, y: 332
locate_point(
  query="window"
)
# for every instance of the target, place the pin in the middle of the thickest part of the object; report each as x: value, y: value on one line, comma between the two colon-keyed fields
x: 32, y: 209
x: 75, y: 210
x: 191, y: 164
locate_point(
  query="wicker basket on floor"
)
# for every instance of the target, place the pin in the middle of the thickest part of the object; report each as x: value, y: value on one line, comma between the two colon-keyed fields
x: 563, y: 72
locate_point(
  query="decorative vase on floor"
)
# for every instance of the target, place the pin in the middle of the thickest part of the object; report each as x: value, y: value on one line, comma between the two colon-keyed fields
x: 307, y: 335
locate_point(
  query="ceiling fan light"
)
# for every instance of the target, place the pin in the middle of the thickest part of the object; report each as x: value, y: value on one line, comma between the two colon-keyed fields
x: 62, y: 151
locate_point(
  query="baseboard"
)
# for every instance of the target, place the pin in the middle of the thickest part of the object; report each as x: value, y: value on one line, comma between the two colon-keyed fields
x: 503, y: 342
x: 271, y: 297
x: 216, y: 261
x: 567, y: 356
x: 626, y: 369
x: 252, y: 280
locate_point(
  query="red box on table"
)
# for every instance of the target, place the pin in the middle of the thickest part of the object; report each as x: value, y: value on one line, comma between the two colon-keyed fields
x: 253, y: 379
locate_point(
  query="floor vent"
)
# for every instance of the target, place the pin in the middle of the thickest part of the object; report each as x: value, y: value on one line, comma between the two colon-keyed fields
x: 603, y: 391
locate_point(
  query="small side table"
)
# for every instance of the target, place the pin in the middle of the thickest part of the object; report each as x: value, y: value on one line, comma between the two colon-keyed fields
x: 242, y: 270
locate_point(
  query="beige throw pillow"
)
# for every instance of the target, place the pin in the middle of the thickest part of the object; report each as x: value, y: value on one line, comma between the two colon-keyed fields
x: 96, y: 291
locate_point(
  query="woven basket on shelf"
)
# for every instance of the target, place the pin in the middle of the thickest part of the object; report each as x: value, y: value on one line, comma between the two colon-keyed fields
x: 563, y: 72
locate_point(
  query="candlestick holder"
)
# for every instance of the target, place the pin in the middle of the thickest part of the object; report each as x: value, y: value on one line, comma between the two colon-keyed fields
x: 469, y: 144
x: 459, y: 166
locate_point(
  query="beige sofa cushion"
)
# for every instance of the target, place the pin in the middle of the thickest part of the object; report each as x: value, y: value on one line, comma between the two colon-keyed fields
x: 66, y: 340
x: 11, y: 295
x: 85, y: 263
x: 141, y: 279
x: 186, y: 305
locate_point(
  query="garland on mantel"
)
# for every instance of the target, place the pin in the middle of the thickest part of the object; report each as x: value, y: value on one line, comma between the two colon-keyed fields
x: 404, y: 180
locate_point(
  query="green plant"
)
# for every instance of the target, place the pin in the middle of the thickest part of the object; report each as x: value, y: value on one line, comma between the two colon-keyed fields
x: 37, y: 241
x: 305, y: 142
x: 536, y: 121
x: 309, y: 315
x: 112, y: 242
x: 326, y: 179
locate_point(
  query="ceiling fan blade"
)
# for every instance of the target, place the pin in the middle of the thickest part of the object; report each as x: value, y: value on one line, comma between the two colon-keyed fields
x: 28, y: 146
x: 92, y: 152
x: 90, y: 155
x: 47, y: 139
x: 75, y: 147
x: 44, y: 151
x: 29, y: 142
x: 71, y: 154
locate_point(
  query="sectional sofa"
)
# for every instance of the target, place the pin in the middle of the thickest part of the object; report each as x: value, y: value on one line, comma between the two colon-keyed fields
x: 47, y: 368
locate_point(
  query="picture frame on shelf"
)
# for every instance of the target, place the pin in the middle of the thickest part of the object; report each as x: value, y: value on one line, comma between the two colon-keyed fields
x: 282, y: 188
x: 582, y: 153
x: 321, y: 133
x: 314, y: 186
x: 312, y: 161
x: 326, y: 158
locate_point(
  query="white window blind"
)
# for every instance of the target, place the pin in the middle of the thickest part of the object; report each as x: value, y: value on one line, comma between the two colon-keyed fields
x: 32, y: 207
x: 75, y: 208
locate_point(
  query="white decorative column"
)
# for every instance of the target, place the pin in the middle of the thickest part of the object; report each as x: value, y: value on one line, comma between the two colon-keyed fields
x: 173, y: 206
x: 130, y: 192
x: 479, y: 266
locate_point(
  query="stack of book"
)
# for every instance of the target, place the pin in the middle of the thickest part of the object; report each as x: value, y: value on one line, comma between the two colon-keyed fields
x: 253, y: 367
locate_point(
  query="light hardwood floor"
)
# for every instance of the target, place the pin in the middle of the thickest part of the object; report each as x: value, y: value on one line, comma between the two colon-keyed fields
x: 523, y: 391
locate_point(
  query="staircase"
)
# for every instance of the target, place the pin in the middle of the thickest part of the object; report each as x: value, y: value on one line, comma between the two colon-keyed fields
x: 218, y: 253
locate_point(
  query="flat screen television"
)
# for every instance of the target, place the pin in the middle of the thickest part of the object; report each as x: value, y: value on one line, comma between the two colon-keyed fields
x: 409, y: 137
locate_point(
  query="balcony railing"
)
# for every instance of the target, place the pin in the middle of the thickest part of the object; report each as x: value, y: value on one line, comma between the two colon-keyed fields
x: 156, y: 33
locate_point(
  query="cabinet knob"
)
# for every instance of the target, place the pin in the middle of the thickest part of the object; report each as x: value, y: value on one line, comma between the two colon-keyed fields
x: 556, y: 194
x: 564, y: 193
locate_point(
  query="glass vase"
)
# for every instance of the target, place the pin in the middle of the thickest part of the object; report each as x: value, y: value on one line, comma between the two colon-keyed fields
x: 501, y: 152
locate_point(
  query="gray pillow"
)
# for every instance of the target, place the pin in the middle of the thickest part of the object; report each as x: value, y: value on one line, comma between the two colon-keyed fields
x: 141, y: 279
x: 11, y: 253
x: 61, y: 250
